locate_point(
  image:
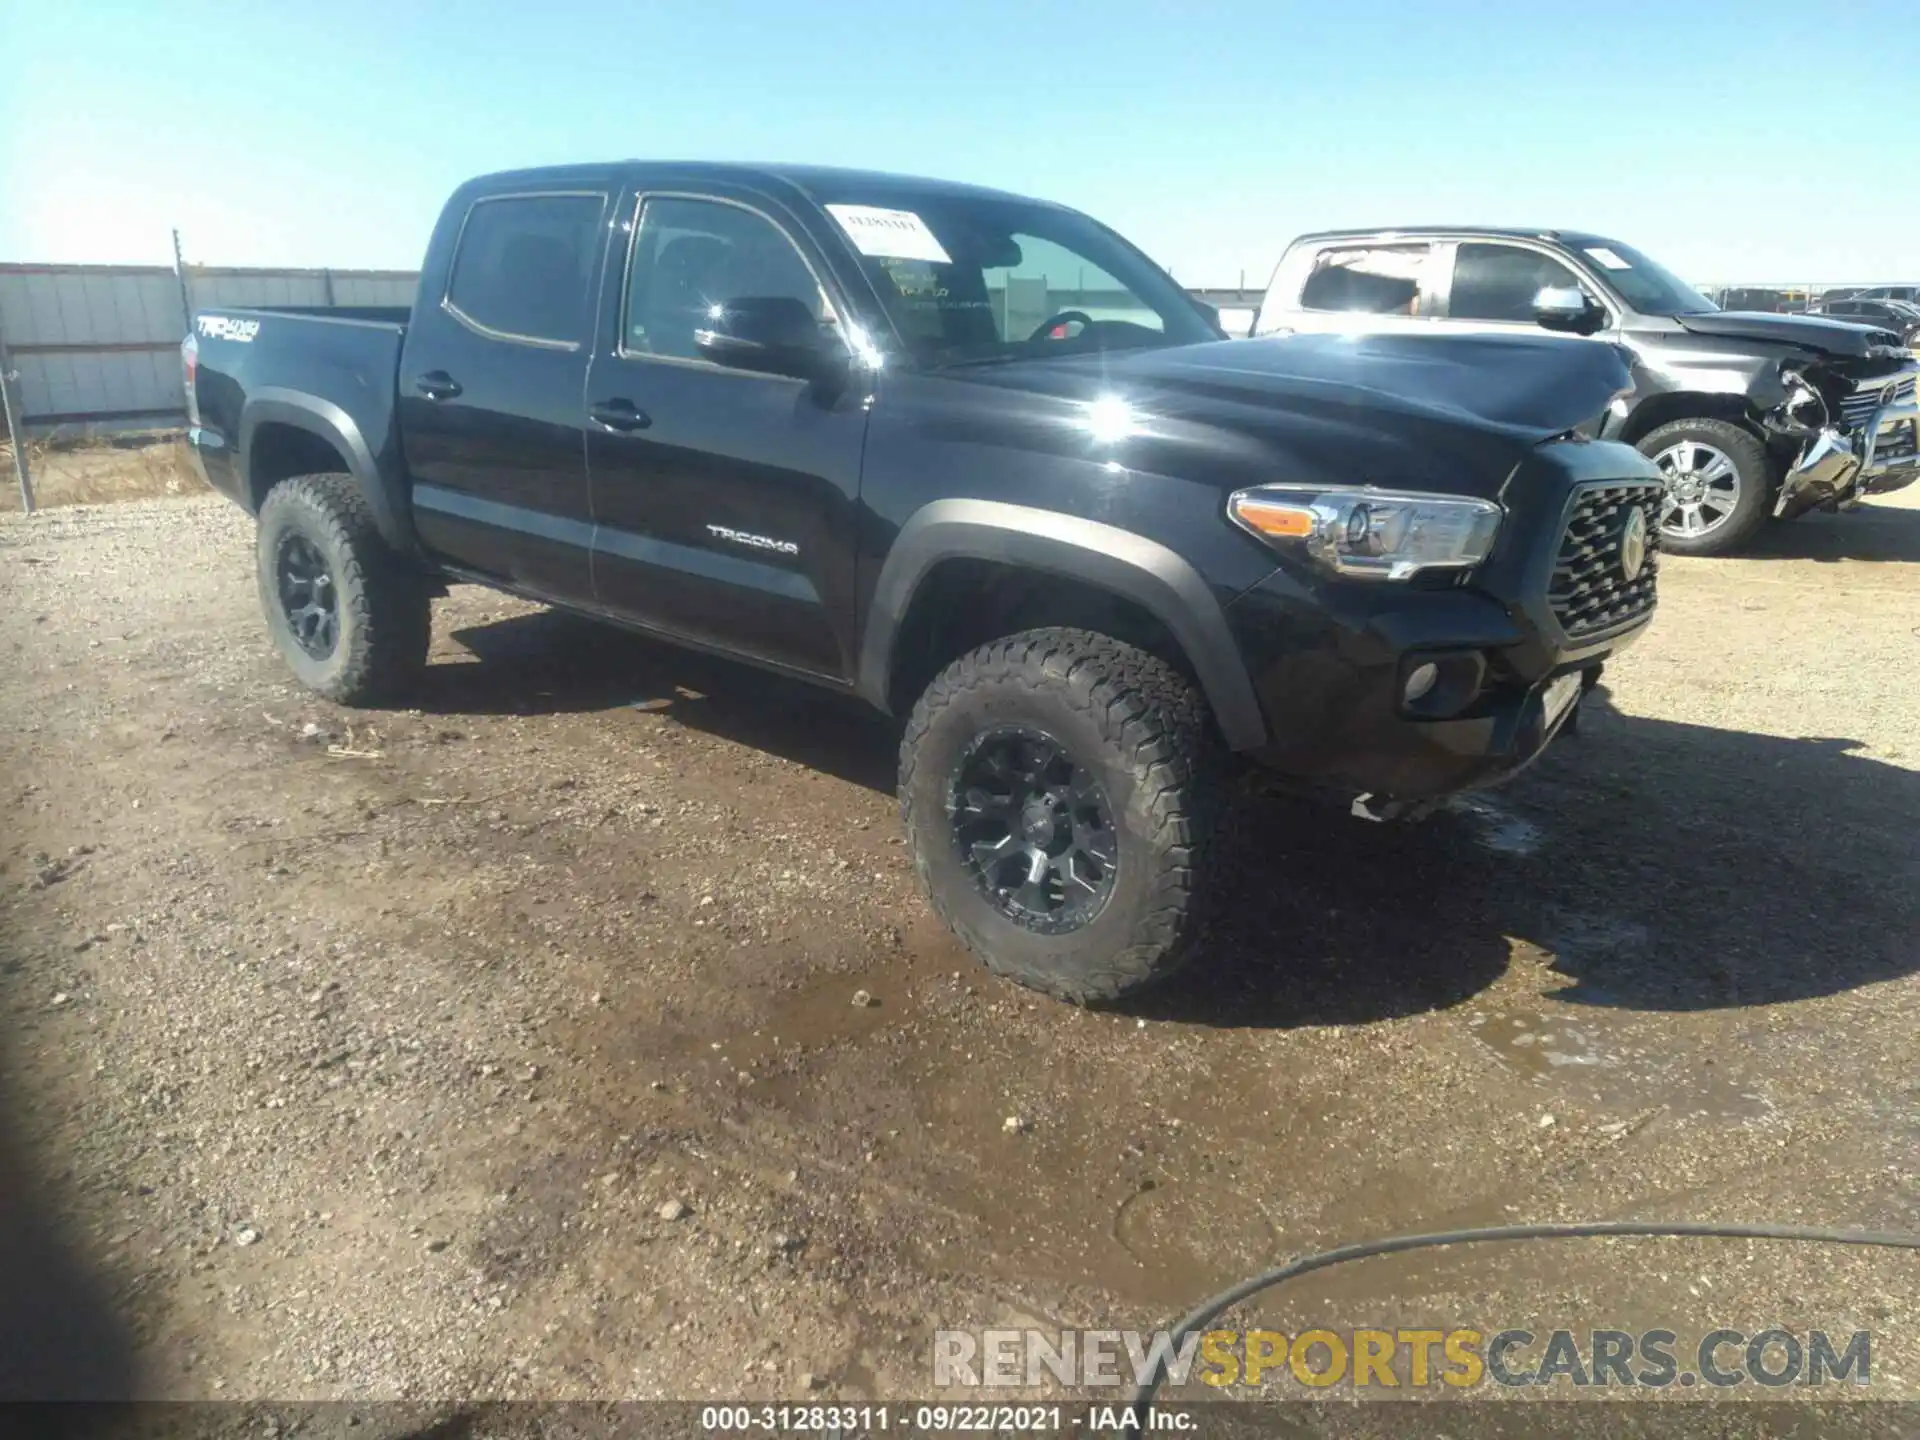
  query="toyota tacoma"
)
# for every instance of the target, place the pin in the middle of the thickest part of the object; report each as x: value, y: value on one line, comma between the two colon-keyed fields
x: 974, y: 459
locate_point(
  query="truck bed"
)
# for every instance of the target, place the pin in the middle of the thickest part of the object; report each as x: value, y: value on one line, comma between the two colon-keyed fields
x: 377, y: 314
x: 321, y: 377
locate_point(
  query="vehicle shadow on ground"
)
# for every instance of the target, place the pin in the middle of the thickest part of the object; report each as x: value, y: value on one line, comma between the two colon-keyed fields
x: 549, y: 662
x: 59, y: 1337
x: 1873, y: 532
x: 1665, y: 866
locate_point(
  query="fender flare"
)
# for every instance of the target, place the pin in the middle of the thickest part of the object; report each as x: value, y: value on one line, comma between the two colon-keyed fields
x: 274, y: 405
x: 1142, y: 570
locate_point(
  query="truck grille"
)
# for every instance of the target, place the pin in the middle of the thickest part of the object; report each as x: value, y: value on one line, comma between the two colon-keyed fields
x: 1868, y: 396
x: 1591, y: 593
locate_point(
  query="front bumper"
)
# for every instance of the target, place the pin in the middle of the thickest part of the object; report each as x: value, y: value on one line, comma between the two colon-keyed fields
x: 1330, y: 660
x: 1336, y: 720
x: 1890, y: 446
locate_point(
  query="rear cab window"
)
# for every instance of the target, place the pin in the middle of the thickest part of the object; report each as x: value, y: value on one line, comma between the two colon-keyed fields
x: 1390, y: 279
x: 523, y: 267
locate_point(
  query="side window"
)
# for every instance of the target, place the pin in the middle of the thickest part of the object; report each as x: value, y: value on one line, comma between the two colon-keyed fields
x: 1499, y: 282
x: 1373, y: 279
x: 1846, y: 307
x: 524, y: 265
x: 690, y: 256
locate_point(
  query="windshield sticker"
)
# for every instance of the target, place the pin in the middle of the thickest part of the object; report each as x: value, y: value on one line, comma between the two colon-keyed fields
x: 1607, y: 258
x: 891, y: 234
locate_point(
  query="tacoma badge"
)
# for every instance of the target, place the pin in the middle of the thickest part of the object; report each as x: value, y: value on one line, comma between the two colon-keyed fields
x: 758, y: 542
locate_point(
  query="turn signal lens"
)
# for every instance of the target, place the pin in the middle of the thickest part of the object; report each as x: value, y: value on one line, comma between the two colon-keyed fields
x: 1270, y: 517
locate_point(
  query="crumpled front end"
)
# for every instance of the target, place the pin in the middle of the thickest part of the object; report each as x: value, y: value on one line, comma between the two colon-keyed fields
x: 1890, y: 454
x: 1857, y: 435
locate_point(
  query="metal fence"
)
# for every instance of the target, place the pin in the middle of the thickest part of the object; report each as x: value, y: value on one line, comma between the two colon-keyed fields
x: 97, y: 346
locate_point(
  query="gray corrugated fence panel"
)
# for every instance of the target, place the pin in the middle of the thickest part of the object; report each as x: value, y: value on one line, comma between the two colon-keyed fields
x: 103, y: 305
x: 265, y: 287
x: 351, y: 288
x: 82, y: 383
x: 231, y: 286
x: 99, y: 342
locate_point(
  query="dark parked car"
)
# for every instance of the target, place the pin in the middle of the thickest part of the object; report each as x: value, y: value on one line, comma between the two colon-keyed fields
x: 1765, y: 298
x: 1750, y: 416
x: 1900, y: 316
x: 973, y: 458
x: 1909, y: 293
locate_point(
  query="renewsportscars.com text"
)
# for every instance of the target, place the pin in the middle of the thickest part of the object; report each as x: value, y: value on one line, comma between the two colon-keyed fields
x: 1460, y: 1359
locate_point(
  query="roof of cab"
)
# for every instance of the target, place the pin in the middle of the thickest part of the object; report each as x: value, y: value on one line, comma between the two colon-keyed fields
x: 816, y: 182
x: 1425, y: 232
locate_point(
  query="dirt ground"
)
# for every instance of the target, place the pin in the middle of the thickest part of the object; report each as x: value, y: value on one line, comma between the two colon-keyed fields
x: 357, y: 1055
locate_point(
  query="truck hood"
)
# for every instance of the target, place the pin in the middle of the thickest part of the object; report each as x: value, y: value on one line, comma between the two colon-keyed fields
x: 1525, y: 386
x: 1452, y: 413
x: 1810, y: 332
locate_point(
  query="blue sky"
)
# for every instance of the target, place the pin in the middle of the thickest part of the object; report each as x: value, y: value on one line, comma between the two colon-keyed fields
x: 1715, y: 136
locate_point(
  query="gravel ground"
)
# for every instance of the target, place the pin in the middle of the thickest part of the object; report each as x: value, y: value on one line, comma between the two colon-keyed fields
x: 509, y: 1046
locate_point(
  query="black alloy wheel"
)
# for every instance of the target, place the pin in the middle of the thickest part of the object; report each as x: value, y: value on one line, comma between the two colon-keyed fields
x: 307, y: 595
x: 1034, y: 829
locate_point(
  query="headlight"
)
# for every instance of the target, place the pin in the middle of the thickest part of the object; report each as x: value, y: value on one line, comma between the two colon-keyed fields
x: 1375, y: 534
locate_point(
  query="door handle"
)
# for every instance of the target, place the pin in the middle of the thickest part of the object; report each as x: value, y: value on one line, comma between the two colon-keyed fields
x: 620, y: 415
x: 437, y: 385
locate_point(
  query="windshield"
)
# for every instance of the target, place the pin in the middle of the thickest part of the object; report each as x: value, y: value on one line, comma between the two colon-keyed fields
x: 975, y: 279
x: 1648, y: 287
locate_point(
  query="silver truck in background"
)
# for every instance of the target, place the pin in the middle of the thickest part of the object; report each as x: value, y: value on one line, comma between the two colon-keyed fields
x: 1751, y: 417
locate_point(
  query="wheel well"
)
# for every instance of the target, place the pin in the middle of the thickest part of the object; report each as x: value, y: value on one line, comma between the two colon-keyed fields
x: 961, y: 604
x: 280, y: 452
x: 1657, y: 410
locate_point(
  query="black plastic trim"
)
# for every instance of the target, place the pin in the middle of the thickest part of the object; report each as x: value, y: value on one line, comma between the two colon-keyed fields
x: 272, y: 404
x: 1130, y: 565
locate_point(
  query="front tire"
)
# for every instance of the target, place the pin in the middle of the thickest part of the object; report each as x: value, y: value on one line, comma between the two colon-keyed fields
x: 350, y: 617
x: 1058, y: 789
x: 1719, y: 485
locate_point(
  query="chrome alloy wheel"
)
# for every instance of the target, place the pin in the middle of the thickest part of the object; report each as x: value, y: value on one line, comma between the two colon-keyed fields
x: 1703, y: 489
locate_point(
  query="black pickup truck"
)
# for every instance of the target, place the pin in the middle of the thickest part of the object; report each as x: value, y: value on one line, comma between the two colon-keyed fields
x: 977, y: 460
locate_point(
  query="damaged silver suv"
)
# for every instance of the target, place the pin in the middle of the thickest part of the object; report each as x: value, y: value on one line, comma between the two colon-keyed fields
x: 1750, y: 416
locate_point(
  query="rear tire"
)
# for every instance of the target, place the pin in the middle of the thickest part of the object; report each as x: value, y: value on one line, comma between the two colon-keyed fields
x: 1125, y: 807
x: 350, y: 617
x: 1719, y: 485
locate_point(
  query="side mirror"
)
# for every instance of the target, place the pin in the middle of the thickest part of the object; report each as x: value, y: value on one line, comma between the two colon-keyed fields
x: 1209, y: 313
x: 1568, y: 309
x: 773, y: 334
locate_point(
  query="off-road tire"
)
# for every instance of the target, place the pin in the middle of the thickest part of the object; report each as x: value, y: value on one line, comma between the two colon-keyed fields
x: 384, y: 604
x: 1143, y: 730
x: 1755, y: 469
